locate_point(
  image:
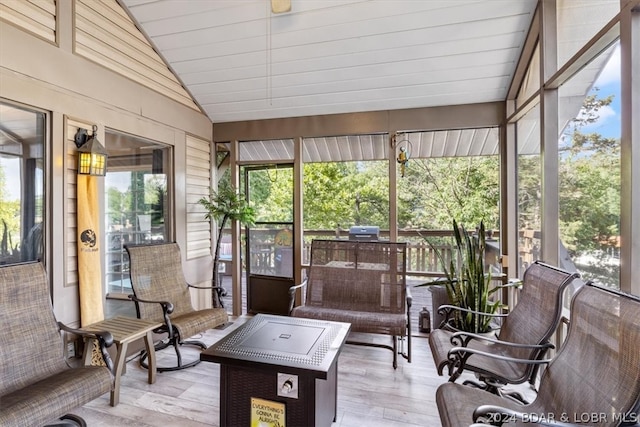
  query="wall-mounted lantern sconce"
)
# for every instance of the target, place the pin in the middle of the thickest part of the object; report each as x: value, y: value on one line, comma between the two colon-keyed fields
x: 92, y: 156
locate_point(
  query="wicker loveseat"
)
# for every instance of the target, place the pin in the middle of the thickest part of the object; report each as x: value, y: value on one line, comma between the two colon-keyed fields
x: 362, y: 283
x: 37, y: 386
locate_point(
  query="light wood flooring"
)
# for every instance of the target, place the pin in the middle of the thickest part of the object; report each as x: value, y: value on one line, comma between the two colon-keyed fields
x: 370, y: 392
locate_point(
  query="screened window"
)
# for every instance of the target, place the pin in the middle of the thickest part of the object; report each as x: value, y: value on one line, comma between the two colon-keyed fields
x: 137, y: 200
x: 346, y: 183
x: 589, y: 169
x: 22, y: 135
x: 580, y: 20
x: 529, y: 188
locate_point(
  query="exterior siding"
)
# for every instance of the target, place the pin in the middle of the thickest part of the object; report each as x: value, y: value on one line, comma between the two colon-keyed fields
x: 35, y: 16
x: 105, y: 34
x: 198, y: 184
x: 77, y: 91
x: 70, y: 214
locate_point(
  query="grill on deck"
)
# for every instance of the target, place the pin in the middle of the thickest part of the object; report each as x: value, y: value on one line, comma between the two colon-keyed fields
x: 364, y: 233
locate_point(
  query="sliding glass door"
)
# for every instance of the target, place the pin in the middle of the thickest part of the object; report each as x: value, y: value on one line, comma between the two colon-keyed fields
x: 137, y: 195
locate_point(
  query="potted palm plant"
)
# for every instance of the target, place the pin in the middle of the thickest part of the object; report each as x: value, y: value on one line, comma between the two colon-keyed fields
x: 467, y: 282
x: 223, y: 205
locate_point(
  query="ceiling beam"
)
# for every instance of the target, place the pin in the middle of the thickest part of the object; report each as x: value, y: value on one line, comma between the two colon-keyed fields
x: 414, y: 119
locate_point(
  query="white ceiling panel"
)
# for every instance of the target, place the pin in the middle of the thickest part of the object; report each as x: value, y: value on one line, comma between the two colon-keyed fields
x: 241, y: 62
x: 355, y: 148
x: 276, y: 150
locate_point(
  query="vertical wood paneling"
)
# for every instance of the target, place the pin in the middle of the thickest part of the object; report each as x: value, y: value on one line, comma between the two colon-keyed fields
x: 105, y: 34
x: 198, y: 183
x: 36, y: 16
x: 70, y: 196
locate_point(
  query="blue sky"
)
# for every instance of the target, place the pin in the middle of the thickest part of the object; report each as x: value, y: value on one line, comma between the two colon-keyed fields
x: 608, y: 124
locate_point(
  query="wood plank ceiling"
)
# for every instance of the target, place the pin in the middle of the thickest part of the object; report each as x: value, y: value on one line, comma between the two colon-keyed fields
x: 242, y: 62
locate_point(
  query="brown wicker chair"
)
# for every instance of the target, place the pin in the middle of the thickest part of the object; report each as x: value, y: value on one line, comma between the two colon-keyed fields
x: 593, y: 380
x: 362, y: 283
x: 36, y: 384
x: 524, y: 334
x: 161, y: 294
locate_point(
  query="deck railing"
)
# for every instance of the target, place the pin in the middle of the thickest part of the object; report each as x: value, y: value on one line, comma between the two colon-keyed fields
x: 421, y: 257
x: 422, y: 245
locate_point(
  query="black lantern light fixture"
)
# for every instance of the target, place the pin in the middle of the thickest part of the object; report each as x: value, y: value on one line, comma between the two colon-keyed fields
x: 92, y: 156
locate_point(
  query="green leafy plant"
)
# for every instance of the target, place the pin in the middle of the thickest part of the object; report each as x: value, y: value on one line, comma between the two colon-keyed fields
x: 223, y: 205
x: 468, y: 281
x: 8, y: 252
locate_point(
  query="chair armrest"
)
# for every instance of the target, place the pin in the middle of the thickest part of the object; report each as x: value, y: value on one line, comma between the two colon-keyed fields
x: 409, y: 297
x: 462, y: 338
x: 219, y: 290
x: 104, y: 339
x: 466, y: 351
x: 497, y: 415
x: 167, y: 307
x: 292, y: 295
x: 204, y: 287
x: 446, y: 309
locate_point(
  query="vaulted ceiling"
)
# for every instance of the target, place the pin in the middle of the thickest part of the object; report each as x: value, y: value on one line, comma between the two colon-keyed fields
x: 241, y: 62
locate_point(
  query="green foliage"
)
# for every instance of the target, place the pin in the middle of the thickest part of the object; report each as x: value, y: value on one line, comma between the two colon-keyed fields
x: 146, y: 195
x: 260, y: 187
x: 589, y: 202
x: 137, y: 202
x: 371, y: 198
x: 589, y: 193
x: 326, y: 195
x: 8, y: 252
x: 339, y: 195
x: 272, y: 194
x: 467, y: 281
x: 436, y: 190
x: 155, y: 193
x: 227, y: 204
x: 10, y: 217
x: 529, y: 191
x: 223, y: 205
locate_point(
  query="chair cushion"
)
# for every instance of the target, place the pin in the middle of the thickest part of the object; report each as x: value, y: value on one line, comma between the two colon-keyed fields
x: 195, y: 322
x: 57, y: 394
x: 361, y: 321
x: 440, y: 343
x: 457, y: 402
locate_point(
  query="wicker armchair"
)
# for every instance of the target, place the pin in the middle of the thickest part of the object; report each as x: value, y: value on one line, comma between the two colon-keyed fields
x: 524, y: 334
x: 161, y: 294
x: 36, y: 384
x: 593, y: 380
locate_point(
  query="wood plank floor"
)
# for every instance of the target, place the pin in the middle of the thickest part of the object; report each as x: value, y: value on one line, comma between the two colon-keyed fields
x: 370, y: 392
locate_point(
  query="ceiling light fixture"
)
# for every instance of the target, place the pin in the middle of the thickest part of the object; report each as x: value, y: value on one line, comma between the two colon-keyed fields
x: 280, y: 6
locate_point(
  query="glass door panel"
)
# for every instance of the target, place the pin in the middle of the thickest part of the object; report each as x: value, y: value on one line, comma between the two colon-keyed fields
x: 136, y: 203
x: 270, y: 247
